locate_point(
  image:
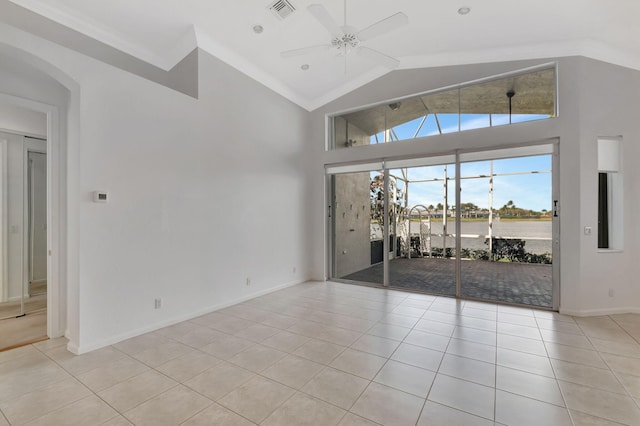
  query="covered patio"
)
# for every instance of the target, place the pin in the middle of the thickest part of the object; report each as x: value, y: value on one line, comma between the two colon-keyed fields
x: 511, y: 282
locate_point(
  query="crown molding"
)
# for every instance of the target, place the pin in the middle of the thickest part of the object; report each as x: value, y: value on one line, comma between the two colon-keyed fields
x: 196, y: 38
x: 95, y: 30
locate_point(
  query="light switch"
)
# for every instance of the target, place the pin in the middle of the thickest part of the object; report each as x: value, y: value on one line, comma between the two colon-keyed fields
x: 587, y: 230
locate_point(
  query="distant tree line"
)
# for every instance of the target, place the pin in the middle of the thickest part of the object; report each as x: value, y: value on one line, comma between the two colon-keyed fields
x: 470, y: 210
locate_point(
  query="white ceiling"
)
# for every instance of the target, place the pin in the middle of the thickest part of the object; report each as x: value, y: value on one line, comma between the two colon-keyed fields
x: 162, y: 32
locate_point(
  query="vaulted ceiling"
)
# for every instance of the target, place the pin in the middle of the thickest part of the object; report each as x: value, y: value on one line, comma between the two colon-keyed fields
x: 162, y: 32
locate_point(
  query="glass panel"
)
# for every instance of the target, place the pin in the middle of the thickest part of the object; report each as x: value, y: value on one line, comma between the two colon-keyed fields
x: 603, y: 210
x: 534, y: 96
x: 425, y: 253
x: 444, y: 107
x: 429, y: 127
x: 359, y: 128
x: 516, y: 99
x: 474, y: 121
x: 358, y: 226
x: 506, y: 236
x: 507, y: 100
x: 404, y: 118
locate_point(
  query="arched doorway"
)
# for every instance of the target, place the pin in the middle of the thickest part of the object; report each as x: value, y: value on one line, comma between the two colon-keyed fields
x: 30, y: 83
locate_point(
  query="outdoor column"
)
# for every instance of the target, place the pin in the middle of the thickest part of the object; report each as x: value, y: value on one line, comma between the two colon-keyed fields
x: 385, y: 228
x: 491, y: 212
x: 444, y: 215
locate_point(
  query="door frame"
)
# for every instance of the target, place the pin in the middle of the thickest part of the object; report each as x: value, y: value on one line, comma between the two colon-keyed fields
x: 556, y: 219
x: 56, y: 227
x: 4, y: 219
x: 554, y: 143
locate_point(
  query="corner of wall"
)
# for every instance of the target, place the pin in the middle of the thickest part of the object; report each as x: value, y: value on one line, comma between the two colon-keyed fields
x: 184, y: 77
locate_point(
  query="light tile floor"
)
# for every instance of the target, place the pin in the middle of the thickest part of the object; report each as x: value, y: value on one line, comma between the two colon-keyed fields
x: 335, y: 354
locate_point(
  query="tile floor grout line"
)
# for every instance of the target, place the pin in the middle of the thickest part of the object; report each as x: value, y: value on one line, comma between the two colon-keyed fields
x: 376, y: 317
x: 623, y: 328
x: 4, y: 417
x: 605, y: 361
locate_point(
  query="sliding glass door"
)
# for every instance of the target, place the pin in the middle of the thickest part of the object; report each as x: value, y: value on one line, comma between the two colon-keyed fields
x: 358, y: 224
x: 506, y: 230
x: 479, y: 225
x: 426, y: 250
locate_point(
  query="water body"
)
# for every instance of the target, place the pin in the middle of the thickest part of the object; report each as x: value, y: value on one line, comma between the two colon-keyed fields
x: 536, y: 234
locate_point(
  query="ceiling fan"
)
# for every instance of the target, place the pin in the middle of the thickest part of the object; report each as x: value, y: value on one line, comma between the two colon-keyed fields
x: 347, y: 39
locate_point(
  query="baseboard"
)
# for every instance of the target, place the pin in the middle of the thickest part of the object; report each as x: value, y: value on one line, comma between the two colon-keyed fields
x: 74, y: 349
x: 26, y: 297
x: 81, y: 349
x: 599, y: 312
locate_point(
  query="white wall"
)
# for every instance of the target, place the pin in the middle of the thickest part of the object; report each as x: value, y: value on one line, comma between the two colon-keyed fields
x: 595, y: 99
x: 23, y: 121
x: 609, y: 107
x: 203, y: 194
x: 207, y: 193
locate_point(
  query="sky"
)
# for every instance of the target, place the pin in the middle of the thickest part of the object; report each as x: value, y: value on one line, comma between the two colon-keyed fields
x: 527, y: 191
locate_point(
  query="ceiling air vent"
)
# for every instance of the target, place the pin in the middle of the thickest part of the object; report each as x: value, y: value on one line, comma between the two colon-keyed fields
x: 282, y: 8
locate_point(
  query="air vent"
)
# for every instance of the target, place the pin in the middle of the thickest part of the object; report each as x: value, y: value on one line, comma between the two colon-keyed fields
x: 282, y: 8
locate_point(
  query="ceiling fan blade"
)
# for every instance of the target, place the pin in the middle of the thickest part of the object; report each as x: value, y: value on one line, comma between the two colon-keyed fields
x: 379, y: 57
x: 320, y: 13
x: 304, y: 50
x: 381, y: 27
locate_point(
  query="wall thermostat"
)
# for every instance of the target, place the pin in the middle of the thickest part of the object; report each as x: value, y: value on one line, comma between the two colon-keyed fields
x: 100, y: 196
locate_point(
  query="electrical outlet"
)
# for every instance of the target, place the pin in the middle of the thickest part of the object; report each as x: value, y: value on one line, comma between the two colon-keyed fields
x: 248, y: 281
x: 294, y: 269
x: 611, y: 292
x: 158, y: 303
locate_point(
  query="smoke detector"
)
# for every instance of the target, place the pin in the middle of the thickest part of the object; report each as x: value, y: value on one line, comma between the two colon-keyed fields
x: 282, y: 8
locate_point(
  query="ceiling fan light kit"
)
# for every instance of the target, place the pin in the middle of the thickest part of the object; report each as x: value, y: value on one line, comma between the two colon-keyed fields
x: 347, y: 39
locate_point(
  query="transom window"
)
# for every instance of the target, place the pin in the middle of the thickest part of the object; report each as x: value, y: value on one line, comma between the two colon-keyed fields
x: 498, y: 101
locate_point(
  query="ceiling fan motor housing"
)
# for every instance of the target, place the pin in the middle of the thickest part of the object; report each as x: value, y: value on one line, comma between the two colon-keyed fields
x: 348, y: 41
